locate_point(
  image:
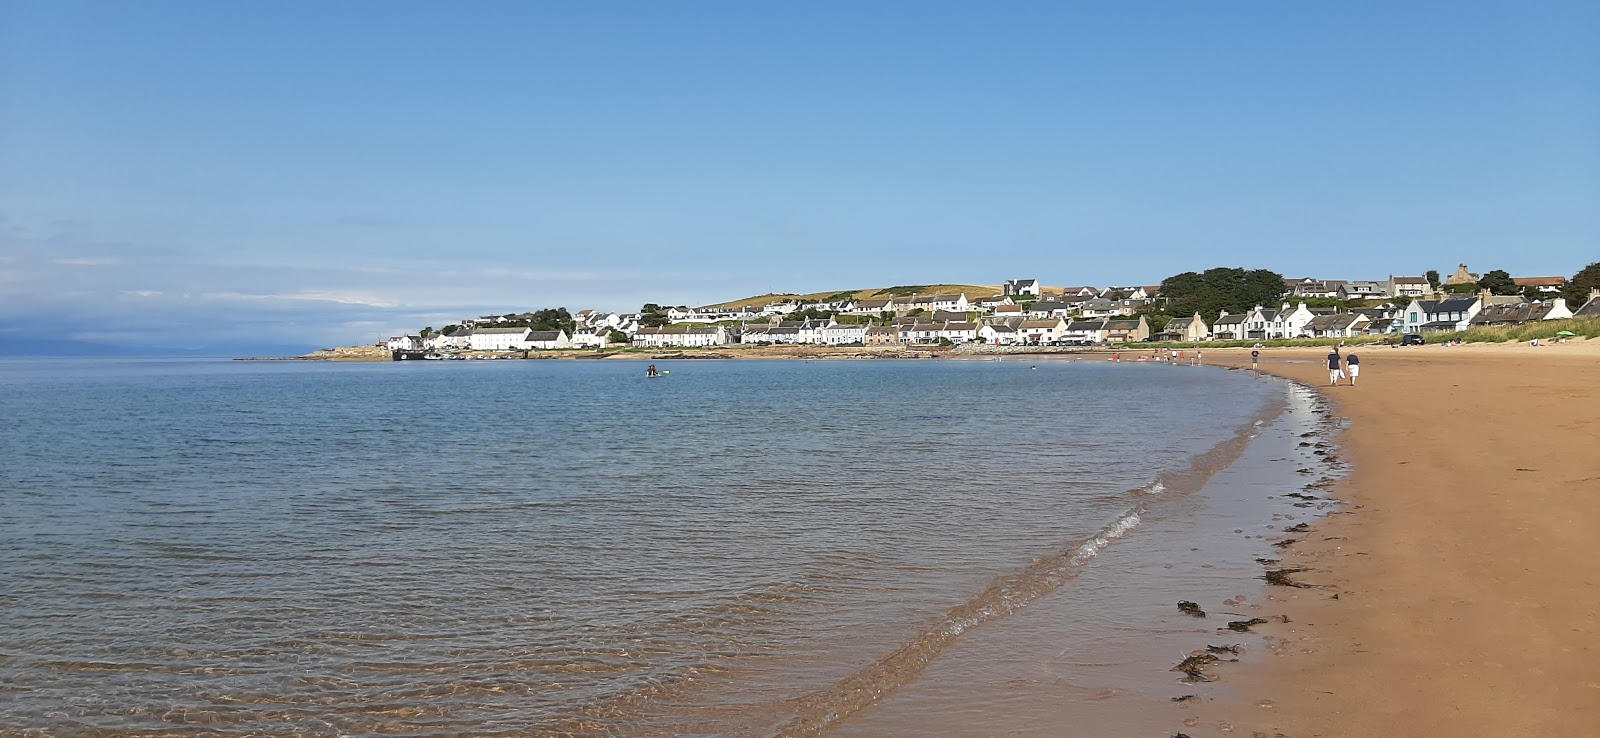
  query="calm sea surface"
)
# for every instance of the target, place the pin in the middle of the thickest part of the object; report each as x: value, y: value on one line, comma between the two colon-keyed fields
x: 550, y: 548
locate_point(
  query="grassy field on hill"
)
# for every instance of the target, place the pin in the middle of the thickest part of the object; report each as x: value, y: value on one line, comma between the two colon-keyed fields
x: 973, y: 292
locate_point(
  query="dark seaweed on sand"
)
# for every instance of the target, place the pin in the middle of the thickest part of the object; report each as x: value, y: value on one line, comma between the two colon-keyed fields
x: 1280, y: 577
x: 1297, y: 528
x: 1189, y: 608
x: 1231, y: 649
x: 1194, y: 667
x: 1243, y: 626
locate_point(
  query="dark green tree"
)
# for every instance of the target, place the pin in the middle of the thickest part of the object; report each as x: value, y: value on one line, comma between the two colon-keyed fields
x: 1433, y: 278
x: 1233, y: 289
x: 653, y: 316
x: 1578, y: 288
x: 616, y: 336
x: 1499, y: 282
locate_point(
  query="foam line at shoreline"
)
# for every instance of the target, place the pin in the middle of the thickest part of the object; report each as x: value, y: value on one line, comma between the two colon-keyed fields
x: 817, y: 712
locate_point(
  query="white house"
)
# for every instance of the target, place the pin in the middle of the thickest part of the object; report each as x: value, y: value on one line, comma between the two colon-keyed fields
x: 1043, y: 309
x: 990, y: 303
x: 1430, y: 316
x: 497, y: 339
x: 998, y: 334
x: 1021, y: 287
x: 1085, y: 330
x: 810, y: 331
x: 1098, y: 307
x: 452, y: 338
x: 1357, y: 289
x: 1262, y: 323
x: 1294, y: 321
x: 1228, y: 327
x: 546, y: 340
x: 1339, y: 325
x: 842, y: 333
x: 919, y: 332
x: 686, y: 335
x: 597, y: 338
x: 1042, y: 331
x: 405, y: 343
x: 872, y: 306
x: 930, y: 303
x: 959, y: 331
x: 1412, y: 287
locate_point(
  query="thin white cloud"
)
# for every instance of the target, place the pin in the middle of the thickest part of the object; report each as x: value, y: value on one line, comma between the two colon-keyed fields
x: 84, y: 261
x: 340, y: 298
x: 542, y: 276
x: 143, y: 293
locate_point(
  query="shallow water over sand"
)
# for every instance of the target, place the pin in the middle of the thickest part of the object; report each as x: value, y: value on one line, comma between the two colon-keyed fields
x: 562, y: 548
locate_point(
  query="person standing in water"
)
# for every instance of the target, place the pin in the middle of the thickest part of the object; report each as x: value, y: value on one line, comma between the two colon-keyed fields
x: 651, y: 371
x: 1255, y: 356
x: 1353, y: 364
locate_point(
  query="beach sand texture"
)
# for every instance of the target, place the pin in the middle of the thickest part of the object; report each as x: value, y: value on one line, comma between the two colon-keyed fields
x: 1467, y: 575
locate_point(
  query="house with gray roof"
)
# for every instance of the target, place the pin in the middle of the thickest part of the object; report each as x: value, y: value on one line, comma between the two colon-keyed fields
x: 1228, y: 327
x: 1436, y: 316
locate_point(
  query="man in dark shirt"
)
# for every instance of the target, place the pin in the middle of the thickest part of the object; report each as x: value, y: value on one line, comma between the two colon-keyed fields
x: 1335, y: 370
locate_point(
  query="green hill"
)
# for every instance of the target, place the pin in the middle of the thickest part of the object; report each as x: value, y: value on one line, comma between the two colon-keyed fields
x: 973, y: 292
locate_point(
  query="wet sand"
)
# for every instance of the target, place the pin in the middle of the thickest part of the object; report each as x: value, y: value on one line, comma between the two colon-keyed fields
x: 1461, y: 595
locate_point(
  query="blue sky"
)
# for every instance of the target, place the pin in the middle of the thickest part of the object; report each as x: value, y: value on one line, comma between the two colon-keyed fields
x: 196, y: 174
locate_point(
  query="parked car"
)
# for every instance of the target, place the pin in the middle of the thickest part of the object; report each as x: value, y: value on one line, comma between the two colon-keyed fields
x: 1411, y: 339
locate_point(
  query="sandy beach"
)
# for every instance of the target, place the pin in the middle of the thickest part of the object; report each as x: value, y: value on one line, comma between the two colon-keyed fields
x: 1461, y: 594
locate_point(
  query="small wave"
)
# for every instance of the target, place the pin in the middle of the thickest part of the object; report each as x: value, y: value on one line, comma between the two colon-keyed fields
x: 1154, y: 488
x: 1091, y: 548
x: 1005, y: 595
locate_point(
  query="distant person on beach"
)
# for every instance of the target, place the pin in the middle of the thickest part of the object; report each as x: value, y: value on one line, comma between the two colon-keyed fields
x: 1199, y: 357
x: 1353, y: 364
x: 1255, y: 357
x: 1335, y: 371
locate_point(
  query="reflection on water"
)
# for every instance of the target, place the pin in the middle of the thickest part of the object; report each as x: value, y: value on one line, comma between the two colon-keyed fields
x: 537, y: 548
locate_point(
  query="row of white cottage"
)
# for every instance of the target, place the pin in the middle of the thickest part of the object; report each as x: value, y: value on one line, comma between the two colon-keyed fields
x: 1420, y: 316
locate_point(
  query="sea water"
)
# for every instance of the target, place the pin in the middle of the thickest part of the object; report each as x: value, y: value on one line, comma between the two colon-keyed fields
x: 570, y: 548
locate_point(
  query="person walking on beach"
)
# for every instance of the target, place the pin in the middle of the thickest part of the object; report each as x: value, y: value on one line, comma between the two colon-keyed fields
x: 1335, y: 370
x: 1353, y: 364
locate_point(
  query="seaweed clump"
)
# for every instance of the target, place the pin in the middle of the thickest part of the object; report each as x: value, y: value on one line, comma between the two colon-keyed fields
x: 1243, y: 626
x: 1194, y: 667
x: 1189, y: 608
x: 1280, y: 577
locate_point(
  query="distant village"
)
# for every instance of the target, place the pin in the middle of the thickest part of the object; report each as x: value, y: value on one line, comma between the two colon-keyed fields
x: 1025, y: 313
